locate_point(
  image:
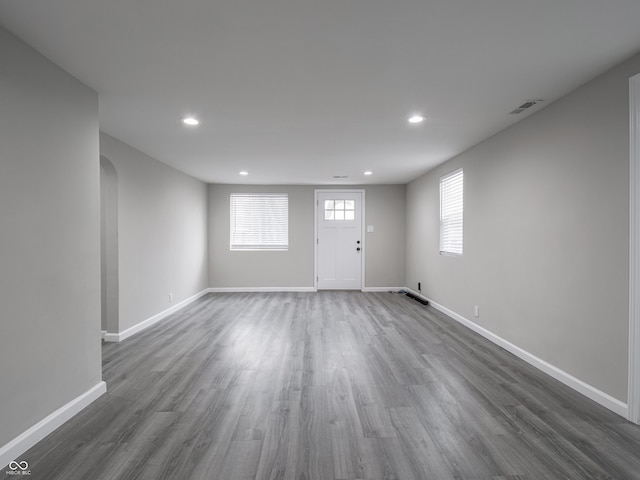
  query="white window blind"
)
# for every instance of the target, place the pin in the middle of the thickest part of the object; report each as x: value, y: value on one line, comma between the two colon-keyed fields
x: 451, y: 212
x: 259, y: 221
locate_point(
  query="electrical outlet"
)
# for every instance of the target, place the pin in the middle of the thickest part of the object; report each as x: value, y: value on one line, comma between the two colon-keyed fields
x: 171, y: 297
x: 476, y: 311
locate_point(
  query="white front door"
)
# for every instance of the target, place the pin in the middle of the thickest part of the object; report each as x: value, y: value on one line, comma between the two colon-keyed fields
x: 339, y: 249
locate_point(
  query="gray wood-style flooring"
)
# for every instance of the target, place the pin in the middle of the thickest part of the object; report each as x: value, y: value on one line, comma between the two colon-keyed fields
x: 329, y: 385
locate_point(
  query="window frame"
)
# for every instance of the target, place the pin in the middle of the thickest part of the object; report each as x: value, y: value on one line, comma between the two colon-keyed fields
x: 449, y: 226
x: 261, y: 243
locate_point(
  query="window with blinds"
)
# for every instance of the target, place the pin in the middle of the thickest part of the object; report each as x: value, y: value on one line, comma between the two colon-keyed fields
x: 259, y: 221
x: 451, y: 213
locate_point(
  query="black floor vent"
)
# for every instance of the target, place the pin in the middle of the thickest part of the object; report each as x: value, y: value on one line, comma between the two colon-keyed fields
x: 417, y: 298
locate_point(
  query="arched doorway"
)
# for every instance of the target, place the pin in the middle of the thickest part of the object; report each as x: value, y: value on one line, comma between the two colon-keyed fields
x: 109, y: 247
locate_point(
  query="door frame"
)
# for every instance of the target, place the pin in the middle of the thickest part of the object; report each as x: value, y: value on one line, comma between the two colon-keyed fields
x: 633, y: 398
x: 363, y: 257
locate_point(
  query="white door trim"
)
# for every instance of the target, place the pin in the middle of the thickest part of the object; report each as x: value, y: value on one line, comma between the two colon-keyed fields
x: 315, y: 231
x: 633, y: 401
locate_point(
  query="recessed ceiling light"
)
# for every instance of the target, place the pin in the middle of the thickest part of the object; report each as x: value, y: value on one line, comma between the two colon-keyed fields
x: 368, y: 172
x: 417, y: 118
x: 191, y: 121
x: 243, y: 172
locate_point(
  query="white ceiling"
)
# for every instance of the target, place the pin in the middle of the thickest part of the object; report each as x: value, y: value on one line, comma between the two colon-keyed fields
x: 297, y: 91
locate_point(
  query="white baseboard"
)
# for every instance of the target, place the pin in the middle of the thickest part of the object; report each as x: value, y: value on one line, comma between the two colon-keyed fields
x: 569, y: 380
x: 23, y: 442
x: 290, y: 289
x: 260, y: 289
x: 382, y: 289
x: 111, y: 337
x: 118, y: 337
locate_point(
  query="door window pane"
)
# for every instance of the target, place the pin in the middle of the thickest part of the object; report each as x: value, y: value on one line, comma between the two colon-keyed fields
x: 340, y: 210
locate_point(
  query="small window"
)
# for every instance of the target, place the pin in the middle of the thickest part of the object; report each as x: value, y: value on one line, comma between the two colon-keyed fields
x: 259, y: 221
x: 451, y: 213
x: 339, y: 210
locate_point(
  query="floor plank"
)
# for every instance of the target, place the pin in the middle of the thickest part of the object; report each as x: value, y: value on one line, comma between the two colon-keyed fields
x: 329, y: 385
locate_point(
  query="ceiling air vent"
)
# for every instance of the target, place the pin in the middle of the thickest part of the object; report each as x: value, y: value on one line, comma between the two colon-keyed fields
x: 341, y: 176
x: 525, y: 106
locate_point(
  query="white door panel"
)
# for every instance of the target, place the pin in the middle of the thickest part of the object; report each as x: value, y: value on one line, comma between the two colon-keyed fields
x: 339, y: 242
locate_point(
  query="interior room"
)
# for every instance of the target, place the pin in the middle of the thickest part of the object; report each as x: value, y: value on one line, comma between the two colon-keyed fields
x: 341, y: 240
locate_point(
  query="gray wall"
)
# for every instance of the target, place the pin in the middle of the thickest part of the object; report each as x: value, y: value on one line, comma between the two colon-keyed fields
x: 385, y: 248
x: 50, y: 242
x: 162, y: 233
x: 546, y: 227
